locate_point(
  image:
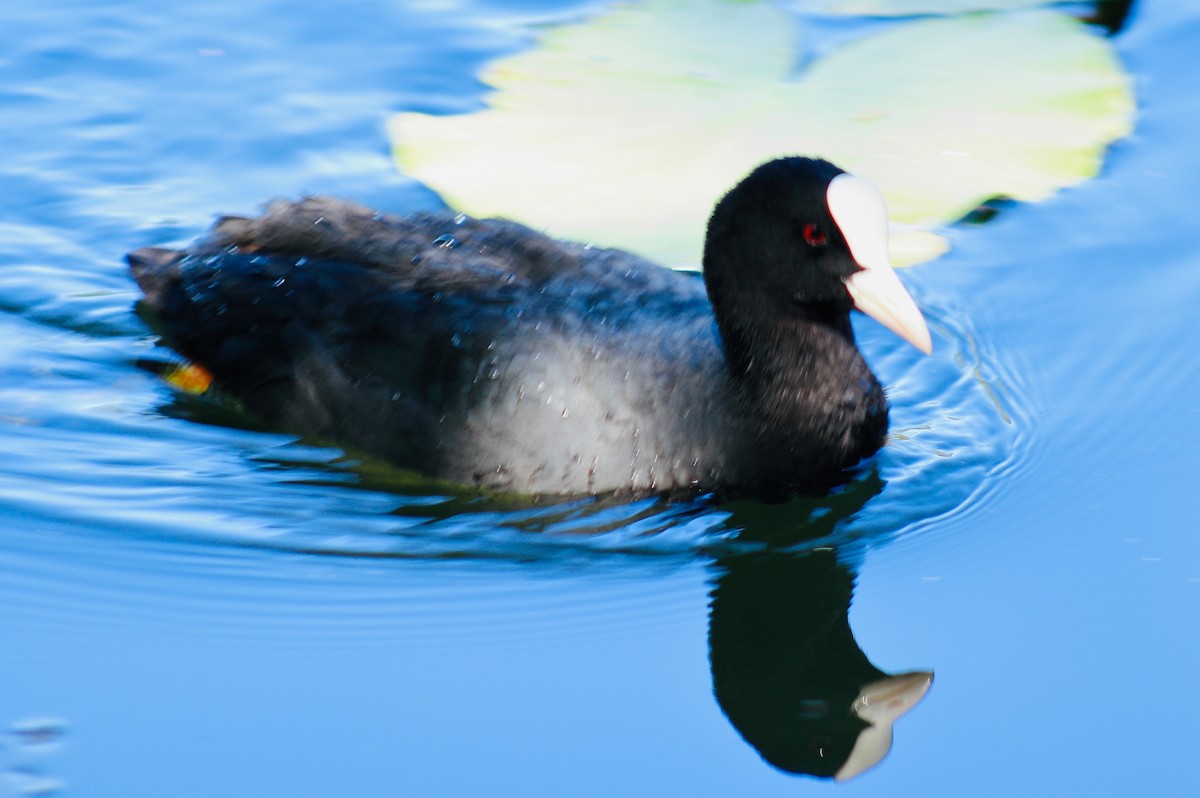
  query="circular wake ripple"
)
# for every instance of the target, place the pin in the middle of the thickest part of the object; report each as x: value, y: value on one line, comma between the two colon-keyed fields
x: 101, y: 450
x: 958, y: 422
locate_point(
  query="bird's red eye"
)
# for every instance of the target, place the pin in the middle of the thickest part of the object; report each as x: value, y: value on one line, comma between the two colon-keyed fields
x: 814, y: 236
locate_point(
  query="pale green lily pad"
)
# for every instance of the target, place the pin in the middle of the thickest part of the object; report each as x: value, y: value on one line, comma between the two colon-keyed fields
x: 623, y: 130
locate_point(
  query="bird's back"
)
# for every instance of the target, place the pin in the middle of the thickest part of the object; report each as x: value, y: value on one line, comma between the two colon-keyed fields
x: 474, y: 350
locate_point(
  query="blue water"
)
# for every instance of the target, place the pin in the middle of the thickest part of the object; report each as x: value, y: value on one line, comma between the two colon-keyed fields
x: 193, y: 605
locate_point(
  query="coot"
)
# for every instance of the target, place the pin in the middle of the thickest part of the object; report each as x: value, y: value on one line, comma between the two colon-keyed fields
x: 484, y: 353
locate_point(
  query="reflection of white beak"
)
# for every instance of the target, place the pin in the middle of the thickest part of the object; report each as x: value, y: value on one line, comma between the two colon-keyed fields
x: 880, y: 704
x: 861, y: 214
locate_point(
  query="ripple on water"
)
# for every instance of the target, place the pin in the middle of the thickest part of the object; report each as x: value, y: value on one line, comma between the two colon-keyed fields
x: 960, y: 421
x: 24, y: 749
x: 103, y: 445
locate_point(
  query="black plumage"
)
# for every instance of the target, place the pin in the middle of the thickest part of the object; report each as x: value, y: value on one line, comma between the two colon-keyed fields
x: 487, y: 354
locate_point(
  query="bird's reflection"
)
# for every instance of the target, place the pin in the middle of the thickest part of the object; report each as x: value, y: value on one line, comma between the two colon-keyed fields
x: 786, y: 668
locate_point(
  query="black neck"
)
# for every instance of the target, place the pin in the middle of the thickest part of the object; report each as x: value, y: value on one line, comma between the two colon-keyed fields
x: 807, y: 341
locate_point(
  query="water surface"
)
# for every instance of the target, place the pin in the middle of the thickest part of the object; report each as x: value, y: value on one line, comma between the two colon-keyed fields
x: 195, y: 605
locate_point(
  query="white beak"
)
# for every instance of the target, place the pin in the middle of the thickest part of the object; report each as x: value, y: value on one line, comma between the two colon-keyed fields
x: 880, y: 704
x: 861, y: 214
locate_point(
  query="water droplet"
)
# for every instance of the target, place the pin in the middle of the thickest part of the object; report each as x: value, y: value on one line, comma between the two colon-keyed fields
x: 301, y: 262
x: 456, y: 340
x: 445, y: 241
x: 462, y: 217
x: 564, y: 415
x: 416, y: 259
x: 280, y: 281
x: 541, y: 386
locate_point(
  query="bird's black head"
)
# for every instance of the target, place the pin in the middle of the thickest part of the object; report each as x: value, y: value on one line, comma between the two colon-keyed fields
x: 772, y: 241
x: 801, y: 238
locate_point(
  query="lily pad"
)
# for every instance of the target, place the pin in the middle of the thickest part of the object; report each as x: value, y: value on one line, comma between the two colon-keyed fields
x: 624, y: 129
